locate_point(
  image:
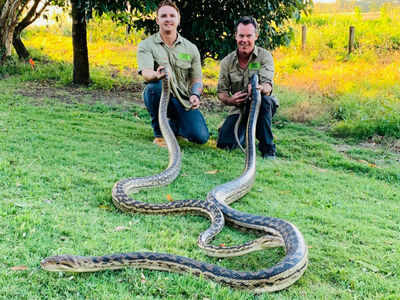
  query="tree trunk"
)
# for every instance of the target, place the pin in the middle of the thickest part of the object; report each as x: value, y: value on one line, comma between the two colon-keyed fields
x: 79, y: 42
x: 5, y: 43
x: 19, y: 46
x: 31, y: 15
x: 8, y: 21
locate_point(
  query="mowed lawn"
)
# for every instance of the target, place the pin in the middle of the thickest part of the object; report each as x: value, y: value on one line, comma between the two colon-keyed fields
x: 58, y: 163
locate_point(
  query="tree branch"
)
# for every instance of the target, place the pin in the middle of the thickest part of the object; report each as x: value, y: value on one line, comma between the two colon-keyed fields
x: 21, y: 8
x: 32, y: 15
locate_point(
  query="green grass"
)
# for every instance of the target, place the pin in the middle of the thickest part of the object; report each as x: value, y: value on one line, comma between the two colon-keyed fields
x: 58, y: 163
x: 359, y: 92
x: 59, y: 72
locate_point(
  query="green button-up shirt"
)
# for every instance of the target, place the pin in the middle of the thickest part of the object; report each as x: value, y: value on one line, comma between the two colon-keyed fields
x: 232, y: 78
x: 183, y: 59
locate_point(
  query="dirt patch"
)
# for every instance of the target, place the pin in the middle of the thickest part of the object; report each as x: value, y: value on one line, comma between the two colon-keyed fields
x: 120, y: 96
x: 306, y: 111
x: 388, y: 147
x: 391, y: 144
x: 125, y: 97
x: 76, y: 94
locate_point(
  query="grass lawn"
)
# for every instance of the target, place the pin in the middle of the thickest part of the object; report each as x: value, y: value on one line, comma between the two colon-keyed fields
x: 59, y: 161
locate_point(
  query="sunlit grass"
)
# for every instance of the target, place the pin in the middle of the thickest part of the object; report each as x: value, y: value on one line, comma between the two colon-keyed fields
x: 362, y: 89
x: 325, y: 65
x: 101, y: 53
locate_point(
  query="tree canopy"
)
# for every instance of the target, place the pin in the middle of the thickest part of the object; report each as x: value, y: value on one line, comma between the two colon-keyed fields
x: 207, y: 23
x: 210, y: 23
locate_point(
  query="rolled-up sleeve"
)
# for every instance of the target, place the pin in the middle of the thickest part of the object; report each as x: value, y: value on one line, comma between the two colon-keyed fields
x: 195, y: 72
x: 144, y: 57
x: 267, y: 69
x: 223, y: 79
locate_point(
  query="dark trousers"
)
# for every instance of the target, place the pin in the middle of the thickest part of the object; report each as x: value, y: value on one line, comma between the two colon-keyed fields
x: 187, y: 123
x: 226, y: 136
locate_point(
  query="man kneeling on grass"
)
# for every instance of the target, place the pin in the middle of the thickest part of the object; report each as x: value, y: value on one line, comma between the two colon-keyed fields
x: 234, y: 89
x: 168, y: 48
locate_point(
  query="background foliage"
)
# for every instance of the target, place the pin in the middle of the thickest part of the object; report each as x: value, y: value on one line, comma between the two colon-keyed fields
x: 210, y: 24
x: 353, y: 95
x: 361, y: 90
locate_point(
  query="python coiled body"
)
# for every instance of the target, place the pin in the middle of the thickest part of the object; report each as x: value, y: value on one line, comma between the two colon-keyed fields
x: 276, y: 232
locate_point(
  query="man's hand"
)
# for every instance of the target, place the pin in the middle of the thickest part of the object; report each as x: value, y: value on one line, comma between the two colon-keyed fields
x: 152, y: 76
x: 160, y: 75
x: 264, y: 88
x: 237, y: 98
x: 195, y: 101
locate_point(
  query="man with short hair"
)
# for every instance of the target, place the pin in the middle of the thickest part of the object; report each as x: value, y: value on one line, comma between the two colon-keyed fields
x: 234, y: 88
x: 168, y: 49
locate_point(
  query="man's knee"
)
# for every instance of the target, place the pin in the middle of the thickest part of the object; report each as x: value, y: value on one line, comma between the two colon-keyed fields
x: 266, y: 101
x: 154, y: 86
x: 226, y: 138
x: 152, y: 91
x: 269, y: 103
x: 201, y: 137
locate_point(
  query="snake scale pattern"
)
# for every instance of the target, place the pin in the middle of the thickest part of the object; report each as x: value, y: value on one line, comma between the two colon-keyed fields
x: 276, y: 232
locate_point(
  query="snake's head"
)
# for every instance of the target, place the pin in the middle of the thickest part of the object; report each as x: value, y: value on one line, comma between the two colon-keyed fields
x: 61, y: 263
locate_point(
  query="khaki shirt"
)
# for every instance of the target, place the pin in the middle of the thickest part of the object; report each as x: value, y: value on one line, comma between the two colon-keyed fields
x: 183, y: 59
x: 232, y: 78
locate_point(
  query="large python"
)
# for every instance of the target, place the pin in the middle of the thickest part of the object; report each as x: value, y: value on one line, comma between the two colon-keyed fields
x: 276, y: 232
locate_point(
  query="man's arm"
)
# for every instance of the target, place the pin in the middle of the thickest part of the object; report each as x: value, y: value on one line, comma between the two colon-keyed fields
x: 196, y: 84
x: 224, y: 87
x: 196, y: 90
x: 266, y: 74
x: 150, y: 75
x: 145, y: 61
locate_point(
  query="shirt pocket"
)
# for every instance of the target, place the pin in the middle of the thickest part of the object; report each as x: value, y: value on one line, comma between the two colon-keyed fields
x: 236, y: 80
x: 160, y: 57
x: 182, y: 69
x: 160, y: 61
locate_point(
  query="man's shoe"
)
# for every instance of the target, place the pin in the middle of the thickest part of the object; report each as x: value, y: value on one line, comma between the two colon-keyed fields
x: 269, y: 155
x: 159, y: 141
x: 181, y: 138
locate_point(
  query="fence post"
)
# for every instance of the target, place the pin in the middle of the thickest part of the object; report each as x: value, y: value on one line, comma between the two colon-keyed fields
x: 303, y: 37
x: 351, y: 39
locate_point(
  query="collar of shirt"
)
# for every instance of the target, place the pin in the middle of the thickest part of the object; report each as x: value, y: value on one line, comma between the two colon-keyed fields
x: 159, y: 40
x: 253, y: 55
